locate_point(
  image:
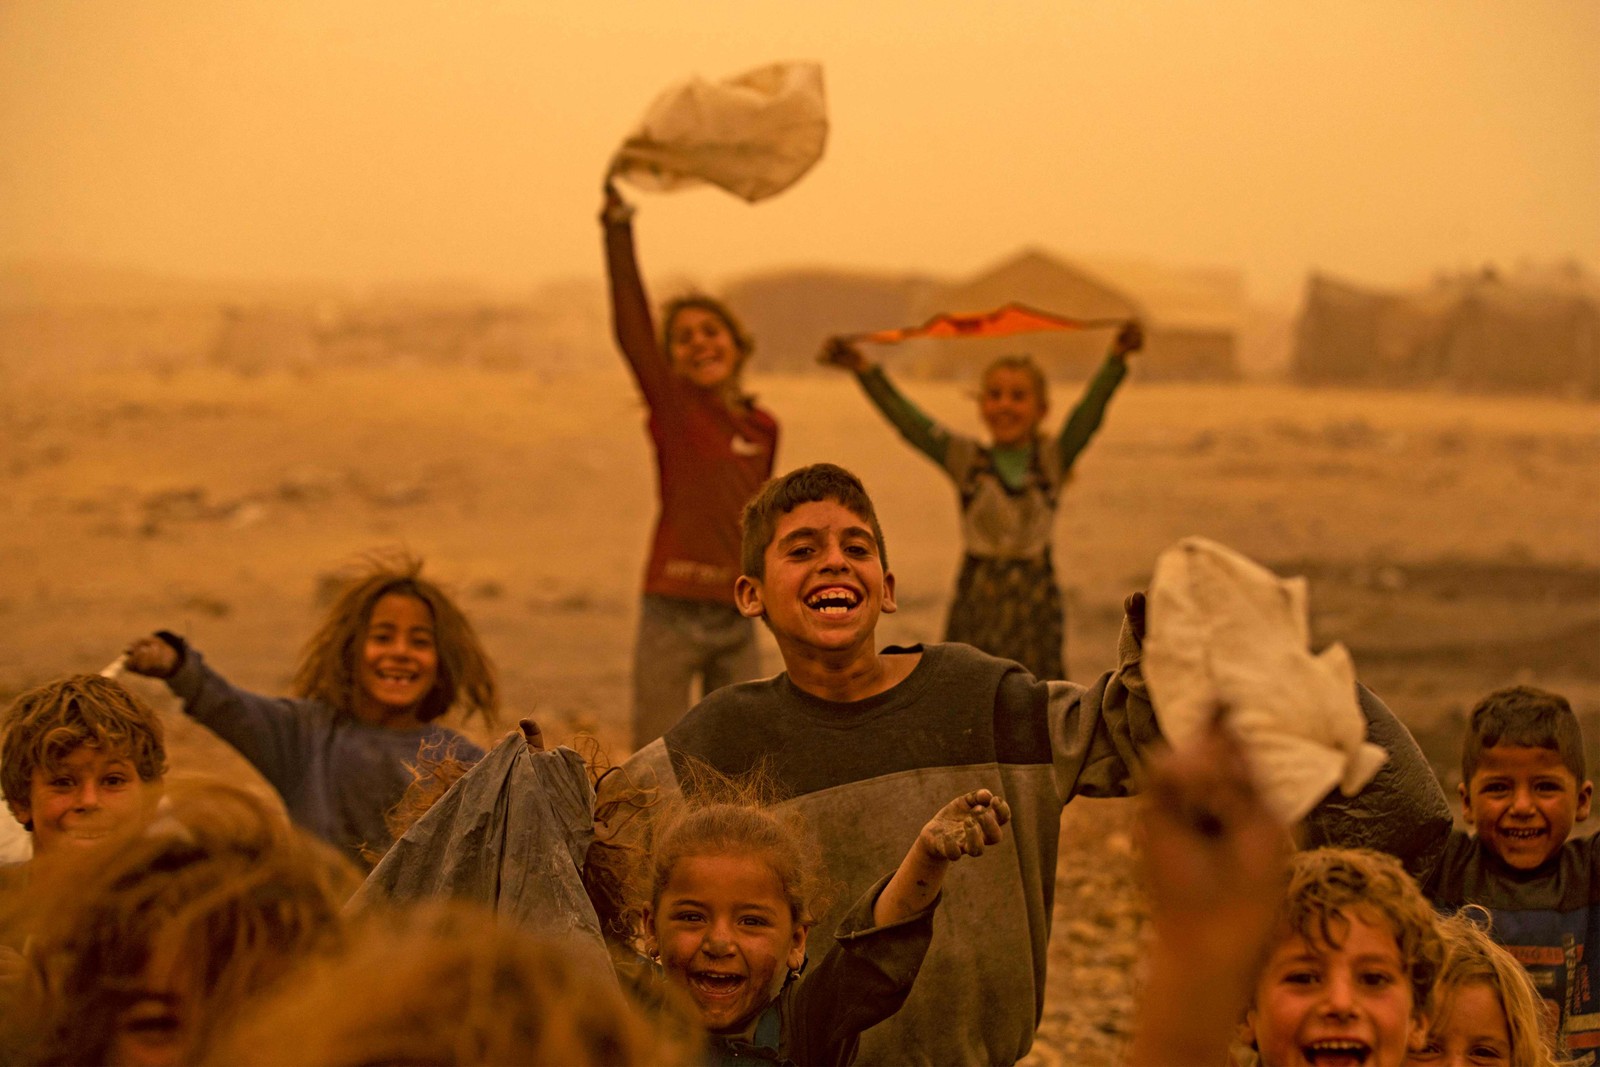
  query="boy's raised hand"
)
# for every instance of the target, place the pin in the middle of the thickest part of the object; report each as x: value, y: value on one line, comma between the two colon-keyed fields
x: 965, y: 826
x: 838, y: 352
x: 151, y: 656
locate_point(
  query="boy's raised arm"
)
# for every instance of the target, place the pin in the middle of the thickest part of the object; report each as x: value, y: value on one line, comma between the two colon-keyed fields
x: 1403, y: 811
x: 631, y: 320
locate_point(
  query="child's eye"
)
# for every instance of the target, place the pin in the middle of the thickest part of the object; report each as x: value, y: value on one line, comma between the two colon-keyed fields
x: 1303, y: 977
x: 753, y: 920
x: 1378, y: 979
x: 115, y: 780
x: 686, y: 917
x: 1427, y: 1053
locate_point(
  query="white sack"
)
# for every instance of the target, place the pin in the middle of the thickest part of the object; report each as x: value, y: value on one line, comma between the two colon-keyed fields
x: 754, y: 135
x: 1225, y: 631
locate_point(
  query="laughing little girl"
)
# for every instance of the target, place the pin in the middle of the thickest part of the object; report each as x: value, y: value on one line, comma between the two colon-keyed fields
x: 392, y: 656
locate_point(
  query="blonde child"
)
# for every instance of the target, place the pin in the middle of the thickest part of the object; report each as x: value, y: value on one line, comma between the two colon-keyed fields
x: 393, y: 655
x: 140, y: 950
x: 82, y: 758
x: 1349, y: 974
x: 714, y: 447
x: 732, y: 891
x: 1486, y: 1011
x: 1007, y: 601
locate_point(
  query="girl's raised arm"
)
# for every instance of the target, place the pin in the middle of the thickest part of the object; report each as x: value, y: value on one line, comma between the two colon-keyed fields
x: 631, y: 320
x: 1085, y: 418
x: 921, y: 432
x: 963, y: 827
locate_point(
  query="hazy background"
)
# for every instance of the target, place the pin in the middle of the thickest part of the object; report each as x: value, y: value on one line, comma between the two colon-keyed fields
x: 401, y: 140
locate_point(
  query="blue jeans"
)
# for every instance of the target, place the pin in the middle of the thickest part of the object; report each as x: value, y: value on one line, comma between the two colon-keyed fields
x: 680, y: 640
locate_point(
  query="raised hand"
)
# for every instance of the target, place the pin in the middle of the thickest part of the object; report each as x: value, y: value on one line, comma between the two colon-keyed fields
x: 151, y: 656
x: 838, y: 352
x: 965, y: 826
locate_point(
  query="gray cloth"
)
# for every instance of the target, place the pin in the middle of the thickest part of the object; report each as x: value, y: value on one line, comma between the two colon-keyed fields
x: 510, y: 835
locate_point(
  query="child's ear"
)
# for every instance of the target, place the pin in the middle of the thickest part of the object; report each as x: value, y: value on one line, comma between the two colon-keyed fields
x: 889, y: 607
x: 1246, y: 1035
x: 1466, y: 808
x: 652, y: 945
x: 797, y: 950
x: 23, y: 813
x: 1585, y: 795
x: 747, y: 594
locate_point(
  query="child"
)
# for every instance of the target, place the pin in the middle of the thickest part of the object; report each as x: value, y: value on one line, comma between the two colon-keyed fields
x: 714, y: 448
x: 82, y: 759
x: 451, y: 986
x: 140, y: 950
x: 1350, y: 971
x: 732, y: 895
x: 861, y: 740
x: 1486, y: 1011
x: 1007, y: 601
x: 1523, y: 788
x: 393, y: 655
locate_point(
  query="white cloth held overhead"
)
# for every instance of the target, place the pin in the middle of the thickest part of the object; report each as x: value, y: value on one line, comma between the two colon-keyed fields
x: 753, y: 135
x: 1226, y: 632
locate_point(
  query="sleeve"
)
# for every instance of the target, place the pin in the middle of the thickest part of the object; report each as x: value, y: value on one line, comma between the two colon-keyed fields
x: 631, y: 320
x: 921, y: 432
x: 1085, y: 418
x: 1402, y: 811
x: 1098, y: 735
x: 863, y: 979
x: 271, y: 732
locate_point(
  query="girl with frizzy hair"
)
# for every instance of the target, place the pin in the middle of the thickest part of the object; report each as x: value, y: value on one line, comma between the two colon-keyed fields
x: 730, y: 891
x: 393, y: 655
x: 449, y: 985
x: 1486, y: 1009
x: 138, y: 950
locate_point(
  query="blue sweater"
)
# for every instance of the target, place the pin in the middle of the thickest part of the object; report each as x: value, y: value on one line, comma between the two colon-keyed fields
x: 338, y: 776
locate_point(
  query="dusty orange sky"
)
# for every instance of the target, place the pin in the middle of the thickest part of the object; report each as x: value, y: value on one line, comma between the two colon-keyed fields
x: 397, y: 139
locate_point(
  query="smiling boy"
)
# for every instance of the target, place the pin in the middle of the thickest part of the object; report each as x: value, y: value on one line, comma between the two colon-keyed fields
x: 82, y: 758
x: 864, y: 741
x: 1523, y: 788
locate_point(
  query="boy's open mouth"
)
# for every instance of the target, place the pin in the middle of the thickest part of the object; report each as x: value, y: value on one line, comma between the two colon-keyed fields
x: 834, y: 600
x: 715, y: 984
x: 1336, y: 1052
x: 1522, y: 833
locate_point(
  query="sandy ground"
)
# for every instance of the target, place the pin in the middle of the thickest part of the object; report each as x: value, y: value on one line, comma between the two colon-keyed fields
x: 1452, y: 542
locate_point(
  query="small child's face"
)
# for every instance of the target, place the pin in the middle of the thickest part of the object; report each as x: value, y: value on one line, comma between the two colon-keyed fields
x: 88, y: 796
x: 1010, y: 405
x: 399, y: 661
x: 825, y: 585
x: 726, y: 935
x: 1320, y: 1005
x: 1471, y: 1032
x: 1522, y: 802
x: 703, y: 348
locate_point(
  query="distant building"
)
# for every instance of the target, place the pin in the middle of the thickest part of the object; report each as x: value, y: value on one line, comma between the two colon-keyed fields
x: 1534, y: 332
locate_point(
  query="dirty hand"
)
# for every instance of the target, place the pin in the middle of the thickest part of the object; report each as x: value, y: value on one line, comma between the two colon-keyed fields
x: 838, y: 352
x: 151, y: 656
x: 965, y: 826
x: 1130, y: 339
